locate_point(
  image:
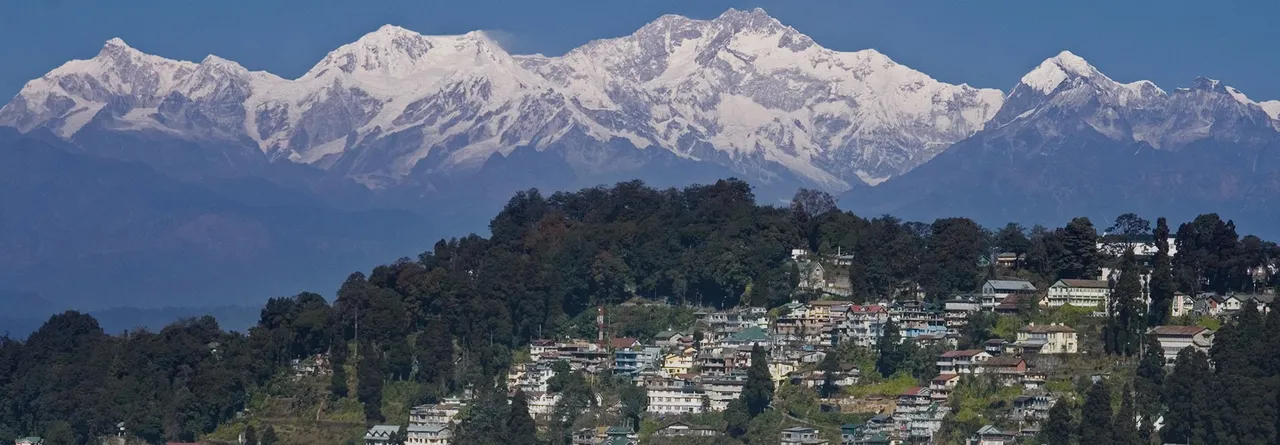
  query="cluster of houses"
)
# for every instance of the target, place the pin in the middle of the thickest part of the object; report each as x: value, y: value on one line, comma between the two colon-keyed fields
x: 428, y: 425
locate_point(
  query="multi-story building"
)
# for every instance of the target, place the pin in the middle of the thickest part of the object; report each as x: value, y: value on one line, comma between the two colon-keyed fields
x: 1053, y: 338
x: 863, y: 325
x: 965, y: 361
x: 1078, y: 293
x: 429, y: 434
x: 915, y: 319
x: 957, y: 311
x: 437, y: 414
x: 940, y: 387
x: 678, y: 397
x: 1173, y: 339
x: 722, y: 391
x: 801, y: 436
x: 679, y: 363
x: 995, y: 291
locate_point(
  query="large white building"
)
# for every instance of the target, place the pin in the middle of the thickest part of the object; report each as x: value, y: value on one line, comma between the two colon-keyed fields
x: 995, y: 291
x: 1078, y: 293
x: 429, y: 434
x: 1053, y: 338
x: 1173, y: 339
x: 676, y: 400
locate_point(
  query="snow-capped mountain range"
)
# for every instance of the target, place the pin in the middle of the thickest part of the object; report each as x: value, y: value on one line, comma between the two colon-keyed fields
x: 741, y: 91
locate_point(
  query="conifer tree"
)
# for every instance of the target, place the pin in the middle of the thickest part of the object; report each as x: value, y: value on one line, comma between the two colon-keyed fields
x: 520, y: 424
x: 889, y: 349
x: 1058, y: 430
x: 269, y: 436
x: 1162, y: 286
x: 1095, y: 416
x: 757, y: 392
x: 338, y: 379
x: 1187, y: 398
x: 1127, y: 316
x: 830, y: 367
x: 369, y: 384
x: 1149, y: 380
x: 250, y: 436
x: 1125, y: 427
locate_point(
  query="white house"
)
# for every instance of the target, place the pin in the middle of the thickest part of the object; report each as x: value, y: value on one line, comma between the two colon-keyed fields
x: 676, y: 400
x: 1053, y: 338
x: 995, y: 291
x: 1078, y: 293
x: 966, y: 361
x: 1173, y: 339
x: 429, y: 434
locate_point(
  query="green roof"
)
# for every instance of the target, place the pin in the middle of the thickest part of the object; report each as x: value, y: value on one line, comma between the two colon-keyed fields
x: 754, y: 333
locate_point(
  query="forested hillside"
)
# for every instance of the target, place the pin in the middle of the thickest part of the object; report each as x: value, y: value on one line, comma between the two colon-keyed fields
x: 455, y: 315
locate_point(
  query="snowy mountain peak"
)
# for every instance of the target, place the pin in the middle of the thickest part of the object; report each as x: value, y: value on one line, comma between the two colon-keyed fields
x: 392, y: 51
x: 1054, y: 70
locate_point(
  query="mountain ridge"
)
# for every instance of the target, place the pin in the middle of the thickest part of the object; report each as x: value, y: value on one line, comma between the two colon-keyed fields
x: 395, y: 102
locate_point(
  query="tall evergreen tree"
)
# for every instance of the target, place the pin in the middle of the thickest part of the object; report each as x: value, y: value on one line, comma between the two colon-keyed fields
x: 1079, y: 256
x: 635, y: 401
x: 1125, y: 427
x: 1127, y: 318
x: 369, y: 382
x: 486, y: 420
x: 830, y: 368
x: 1188, y: 398
x: 1148, y: 381
x: 757, y: 392
x: 1060, y: 427
x: 338, y: 360
x: 1162, y: 286
x: 520, y: 424
x: 1095, y: 416
x: 889, y: 349
x: 269, y: 436
x: 250, y: 435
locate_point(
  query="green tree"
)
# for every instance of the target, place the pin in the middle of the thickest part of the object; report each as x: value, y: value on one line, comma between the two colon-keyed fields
x: 757, y: 392
x: 520, y: 424
x: 269, y: 436
x: 486, y: 419
x: 951, y: 262
x: 1162, y: 286
x: 1126, y: 315
x: 1187, y: 398
x: 369, y: 382
x: 635, y: 401
x: 1059, y: 428
x: 830, y: 368
x: 736, y: 417
x: 250, y: 436
x: 338, y: 379
x: 889, y: 349
x: 1148, y: 380
x: 1079, y: 255
x: 1095, y: 417
x: 1125, y: 429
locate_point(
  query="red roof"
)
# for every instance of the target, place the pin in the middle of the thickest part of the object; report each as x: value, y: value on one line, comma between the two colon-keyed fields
x: 1178, y: 331
x: 945, y: 377
x: 962, y: 353
x: 914, y: 391
x: 623, y: 342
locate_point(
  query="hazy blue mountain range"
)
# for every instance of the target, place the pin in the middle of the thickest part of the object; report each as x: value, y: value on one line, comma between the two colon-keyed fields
x: 130, y: 179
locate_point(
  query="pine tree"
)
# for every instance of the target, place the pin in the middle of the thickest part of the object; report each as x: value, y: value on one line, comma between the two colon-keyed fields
x: 486, y: 420
x: 1162, y: 286
x: 269, y: 436
x: 830, y: 368
x: 757, y: 392
x: 1058, y: 429
x: 1187, y: 398
x: 889, y: 349
x: 1095, y: 417
x: 369, y: 384
x: 520, y: 424
x: 1127, y: 317
x: 1148, y: 381
x: 1125, y: 426
x: 250, y: 436
x: 338, y: 360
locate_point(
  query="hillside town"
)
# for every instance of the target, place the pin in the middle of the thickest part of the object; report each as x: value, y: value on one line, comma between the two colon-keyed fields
x: 701, y: 368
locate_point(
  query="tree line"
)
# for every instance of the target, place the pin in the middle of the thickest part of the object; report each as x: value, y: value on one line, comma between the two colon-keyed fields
x: 453, y: 316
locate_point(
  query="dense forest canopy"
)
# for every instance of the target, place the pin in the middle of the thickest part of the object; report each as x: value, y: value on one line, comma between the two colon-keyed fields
x: 454, y: 315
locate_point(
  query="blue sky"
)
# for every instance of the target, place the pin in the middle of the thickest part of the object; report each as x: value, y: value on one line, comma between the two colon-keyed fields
x: 986, y: 43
